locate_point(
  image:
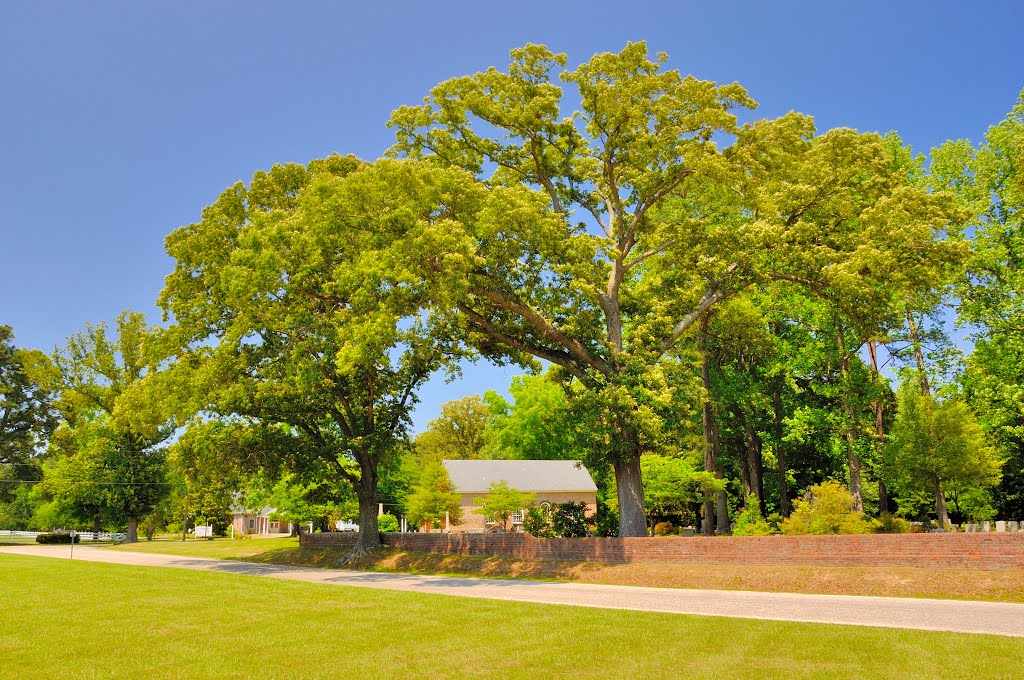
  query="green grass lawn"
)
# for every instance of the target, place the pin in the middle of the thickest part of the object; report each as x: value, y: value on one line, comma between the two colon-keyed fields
x: 16, y: 540
x: 223, y: 548
x: 77, y: 619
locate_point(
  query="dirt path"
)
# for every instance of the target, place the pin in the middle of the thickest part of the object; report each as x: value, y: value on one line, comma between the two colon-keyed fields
x: 923, y: 614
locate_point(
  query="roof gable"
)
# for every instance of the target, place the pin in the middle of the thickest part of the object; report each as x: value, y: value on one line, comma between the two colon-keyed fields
x: 475, y: 476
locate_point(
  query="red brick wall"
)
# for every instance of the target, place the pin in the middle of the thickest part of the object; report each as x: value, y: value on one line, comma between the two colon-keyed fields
x: 965, y: 550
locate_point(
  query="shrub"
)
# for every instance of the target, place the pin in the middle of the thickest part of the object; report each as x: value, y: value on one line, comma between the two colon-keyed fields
x: 537, y: 523
x: 569, y: 520
x: 57, y: 538
x: 150, y: 526
x: 607, y: 521
x: 891, y: 524
x: 750, y: 522
x: 664, y: 529
x: 388, y: 523
x: 826, y: 508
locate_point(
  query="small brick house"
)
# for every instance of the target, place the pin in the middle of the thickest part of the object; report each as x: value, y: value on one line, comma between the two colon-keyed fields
x: 258, y: 521
x: 552, y: 481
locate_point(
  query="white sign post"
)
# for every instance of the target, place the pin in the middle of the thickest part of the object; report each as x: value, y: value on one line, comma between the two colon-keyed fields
x: 73, y: 535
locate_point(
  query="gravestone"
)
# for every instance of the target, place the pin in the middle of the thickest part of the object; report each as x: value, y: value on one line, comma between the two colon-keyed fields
x: 1000, y: 525
x: 1013, y: 526
x: 986, y: 526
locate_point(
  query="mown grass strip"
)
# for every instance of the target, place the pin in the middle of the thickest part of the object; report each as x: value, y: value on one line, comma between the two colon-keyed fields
x: 71, y: 619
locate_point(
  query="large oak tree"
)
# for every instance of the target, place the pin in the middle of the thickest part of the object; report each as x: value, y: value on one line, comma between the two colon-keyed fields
x: 658, y: 205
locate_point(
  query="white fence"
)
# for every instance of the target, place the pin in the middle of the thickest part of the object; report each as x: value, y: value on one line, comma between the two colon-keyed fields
x: 83, y: 536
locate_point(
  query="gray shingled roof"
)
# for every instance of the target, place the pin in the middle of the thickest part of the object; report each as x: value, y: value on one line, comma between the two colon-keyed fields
x: 474, y: 476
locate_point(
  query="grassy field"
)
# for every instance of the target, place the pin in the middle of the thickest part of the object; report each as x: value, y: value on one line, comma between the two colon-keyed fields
x: 77, y: 619
x: 16, y: 540
x: 1006, y: 585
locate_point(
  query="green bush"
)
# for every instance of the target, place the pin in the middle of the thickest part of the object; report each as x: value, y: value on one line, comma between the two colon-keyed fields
x: 150, y: 526
x: 607, y: 521
x: 569, y: 520
x: 664, y: 529
x: 388, y: 523
x: 537, y: 522
x: 57, y: 538
x: 826, y: 508
x: 750, y: 522
x: 891, y: 524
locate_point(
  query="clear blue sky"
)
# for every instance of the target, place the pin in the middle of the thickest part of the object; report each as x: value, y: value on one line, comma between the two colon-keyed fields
x: 121, y: 120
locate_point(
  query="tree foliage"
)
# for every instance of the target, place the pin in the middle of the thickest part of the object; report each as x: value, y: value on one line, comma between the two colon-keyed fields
x: 110, y: 463
x: 648, y: 207
x: 27, y: 413
x: 538, y: 424
x: 938, y: 446
x: 826, y: 508
x: 433, y: 498
x: 502, y: 501
x: 750, y: 521
x: 458, y: 433
x: 289, y: 317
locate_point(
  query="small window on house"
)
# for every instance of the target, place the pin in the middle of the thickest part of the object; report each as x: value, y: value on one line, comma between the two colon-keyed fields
x: 252, y: 524
x: 517, y: 517
x: 274, y: 525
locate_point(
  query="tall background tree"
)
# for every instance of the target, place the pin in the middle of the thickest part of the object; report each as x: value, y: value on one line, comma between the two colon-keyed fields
x: 27, y: 417
x: 647, y: 223
x: 289, y: 317
x: 989, y: 180
x: 109, y: 461
x: 27, y: 412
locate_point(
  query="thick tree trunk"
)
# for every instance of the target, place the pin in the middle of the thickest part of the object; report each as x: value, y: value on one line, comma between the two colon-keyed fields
x: 755, y: 463
x: 716, y: 509
x: 368, y: 536
x: 713, y: 500
x: 131, y: 534
x: 744, y: 461
x: 97, y: 525
x: 709, y: 466
x: 780, y: 451
x: 632, y: 519
x: 722, y: 525
x: 940, y: 505
x: 369, y: 533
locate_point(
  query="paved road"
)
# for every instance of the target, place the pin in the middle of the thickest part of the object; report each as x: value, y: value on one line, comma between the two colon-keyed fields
x: 890, y: 612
